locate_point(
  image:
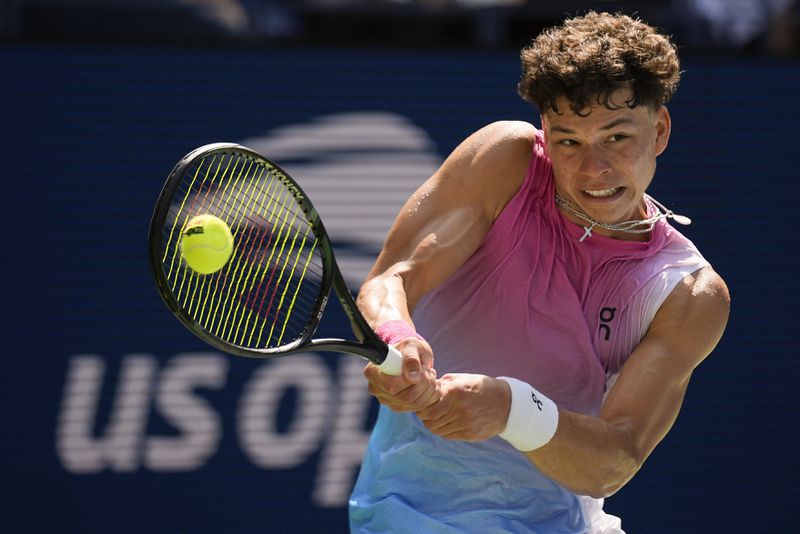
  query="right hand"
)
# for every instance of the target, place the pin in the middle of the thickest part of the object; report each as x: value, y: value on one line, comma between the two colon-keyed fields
x: 416, y: 388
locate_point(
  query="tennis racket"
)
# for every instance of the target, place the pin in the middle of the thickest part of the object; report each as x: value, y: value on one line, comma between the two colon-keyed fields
x: 269, y: 298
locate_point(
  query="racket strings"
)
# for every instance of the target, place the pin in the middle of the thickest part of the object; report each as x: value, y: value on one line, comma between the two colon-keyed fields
x: 244, y: 276
x: 265, y: 294
x: 279, y: 259
x: 282, y: 261
x: 173, y: 239
x: 193, y: 209
x: 215, y: 301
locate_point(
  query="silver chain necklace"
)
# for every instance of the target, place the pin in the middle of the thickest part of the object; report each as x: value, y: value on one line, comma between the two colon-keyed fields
x: 641, y: 226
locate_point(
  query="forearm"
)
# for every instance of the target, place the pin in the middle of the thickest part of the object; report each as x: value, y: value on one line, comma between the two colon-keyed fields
x: 383, y: 298
x: 597, y: 455
x: 384, y: 304
x: 588, y: 455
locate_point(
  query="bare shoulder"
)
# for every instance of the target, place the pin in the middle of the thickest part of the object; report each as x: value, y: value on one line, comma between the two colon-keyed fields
x: 695, y: 314
x: 493, y: 161
x: 504, y: 141
x: 513, y: 129
x: 704, y: 291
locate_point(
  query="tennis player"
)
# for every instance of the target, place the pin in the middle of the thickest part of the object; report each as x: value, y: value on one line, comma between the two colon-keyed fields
x: 565, y: 312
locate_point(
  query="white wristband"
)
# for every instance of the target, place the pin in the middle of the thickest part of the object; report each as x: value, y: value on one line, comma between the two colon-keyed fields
x: 533, y: 418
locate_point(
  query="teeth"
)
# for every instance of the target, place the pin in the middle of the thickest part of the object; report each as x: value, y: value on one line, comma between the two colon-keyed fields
x: 602, y: 193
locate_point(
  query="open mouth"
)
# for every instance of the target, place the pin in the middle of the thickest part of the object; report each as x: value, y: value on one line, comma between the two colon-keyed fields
x: 603, y: 193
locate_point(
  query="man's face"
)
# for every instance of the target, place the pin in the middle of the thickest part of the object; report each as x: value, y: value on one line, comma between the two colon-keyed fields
x: 604, y: 161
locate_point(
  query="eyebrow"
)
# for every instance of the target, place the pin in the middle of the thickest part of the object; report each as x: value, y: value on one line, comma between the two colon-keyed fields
x: 609, y: 126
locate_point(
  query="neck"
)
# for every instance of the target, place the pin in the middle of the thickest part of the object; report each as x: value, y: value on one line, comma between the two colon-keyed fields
x: 633, y: 230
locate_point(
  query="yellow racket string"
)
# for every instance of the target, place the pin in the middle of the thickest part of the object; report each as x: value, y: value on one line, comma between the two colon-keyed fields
x: 233, y: 268
x: 177, y: 218
x: 256, y: 280
x: 279, y: 307
x: 188, y: 274
x: 299, y: 285
x: 223, y: 207
x: 282, y: 231
x: 213, y: 282
x: 255, y: 294
x: 244, y: 268
x: 196, y: 281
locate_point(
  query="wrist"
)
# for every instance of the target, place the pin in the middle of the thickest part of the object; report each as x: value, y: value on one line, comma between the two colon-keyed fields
x: 532, y: 418
x: 392, y: 332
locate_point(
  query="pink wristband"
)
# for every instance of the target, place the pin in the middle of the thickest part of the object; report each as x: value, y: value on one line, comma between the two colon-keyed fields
x: 395, y: 331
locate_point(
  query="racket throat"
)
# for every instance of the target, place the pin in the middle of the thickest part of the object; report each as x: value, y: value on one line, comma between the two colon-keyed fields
x: 346, y: 347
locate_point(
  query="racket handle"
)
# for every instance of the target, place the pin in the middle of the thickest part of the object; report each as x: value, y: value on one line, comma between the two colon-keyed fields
x: 393, y: 364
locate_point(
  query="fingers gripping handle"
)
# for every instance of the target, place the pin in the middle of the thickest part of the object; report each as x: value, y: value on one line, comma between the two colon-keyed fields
x: 393, y: 364
x: 392, y: 332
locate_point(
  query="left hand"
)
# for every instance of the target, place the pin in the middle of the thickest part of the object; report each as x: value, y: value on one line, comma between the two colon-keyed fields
x: 416, y: 388
x: 471, y: 407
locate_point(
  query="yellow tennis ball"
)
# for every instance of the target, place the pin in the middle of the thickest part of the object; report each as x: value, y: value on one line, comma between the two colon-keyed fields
x: 206, y: 244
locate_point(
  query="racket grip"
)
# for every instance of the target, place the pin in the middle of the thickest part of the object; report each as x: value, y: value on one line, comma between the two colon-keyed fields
x: 393, y: 364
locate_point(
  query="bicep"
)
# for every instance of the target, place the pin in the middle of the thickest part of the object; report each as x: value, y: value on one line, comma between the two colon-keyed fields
x: 447, y: 218
x: 649, y: 392
x: 435, y: 232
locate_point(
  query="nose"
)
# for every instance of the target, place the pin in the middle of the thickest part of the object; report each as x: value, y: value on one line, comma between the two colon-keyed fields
x: 594, y: 162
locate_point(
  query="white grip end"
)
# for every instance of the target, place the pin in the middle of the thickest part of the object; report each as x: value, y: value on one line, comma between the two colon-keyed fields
x: 393, y: 364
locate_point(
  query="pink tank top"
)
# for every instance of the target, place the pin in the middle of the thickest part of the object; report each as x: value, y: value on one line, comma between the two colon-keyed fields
x: 535, y: 303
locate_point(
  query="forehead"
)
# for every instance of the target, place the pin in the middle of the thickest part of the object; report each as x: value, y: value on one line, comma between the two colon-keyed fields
x: 597, y: 115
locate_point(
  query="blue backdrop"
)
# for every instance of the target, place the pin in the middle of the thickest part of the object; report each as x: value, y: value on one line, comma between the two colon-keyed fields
x: 116, y: 419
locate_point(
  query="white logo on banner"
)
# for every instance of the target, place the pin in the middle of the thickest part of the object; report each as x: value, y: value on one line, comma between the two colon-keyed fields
x: 330, y: 417
x: 358, y: 168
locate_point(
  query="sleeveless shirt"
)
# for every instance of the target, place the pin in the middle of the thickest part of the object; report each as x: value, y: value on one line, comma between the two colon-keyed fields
x: 534, y: 303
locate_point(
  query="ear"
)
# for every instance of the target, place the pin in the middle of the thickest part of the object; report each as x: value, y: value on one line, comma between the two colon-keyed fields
x: 663, y: 129
x: 545, y: 128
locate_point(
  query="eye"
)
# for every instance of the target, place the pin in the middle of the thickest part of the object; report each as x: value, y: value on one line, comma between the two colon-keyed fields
x: 568, y: 142
x: 617, y: 137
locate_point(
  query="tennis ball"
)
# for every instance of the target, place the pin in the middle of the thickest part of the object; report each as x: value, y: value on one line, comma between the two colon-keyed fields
x: 206, y: 244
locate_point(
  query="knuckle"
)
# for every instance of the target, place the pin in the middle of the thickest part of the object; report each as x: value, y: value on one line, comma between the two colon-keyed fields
x: 407, y: 396
x: 395, y: 389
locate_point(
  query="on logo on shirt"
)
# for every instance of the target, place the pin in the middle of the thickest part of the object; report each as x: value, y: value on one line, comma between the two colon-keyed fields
x: 606, y: 316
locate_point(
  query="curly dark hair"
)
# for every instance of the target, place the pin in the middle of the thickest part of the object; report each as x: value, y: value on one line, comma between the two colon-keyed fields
x: 588, y: 58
